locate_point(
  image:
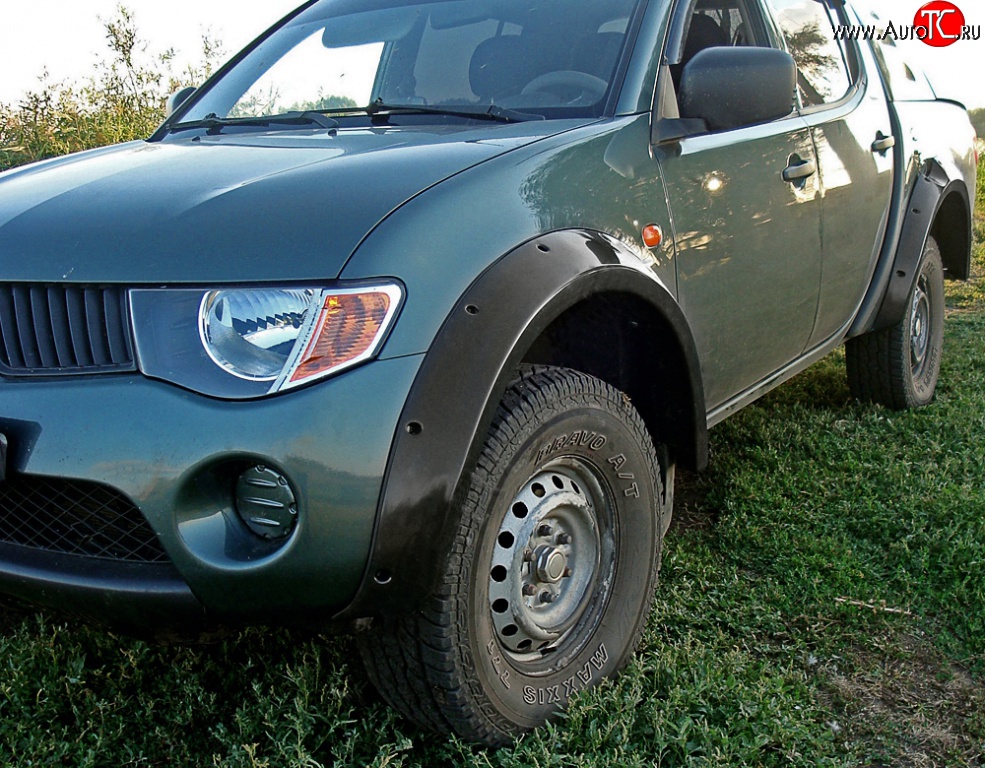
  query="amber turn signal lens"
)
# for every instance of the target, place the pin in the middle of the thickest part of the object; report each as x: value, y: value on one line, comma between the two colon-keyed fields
x: 652, y: 235
x: 347, y: 329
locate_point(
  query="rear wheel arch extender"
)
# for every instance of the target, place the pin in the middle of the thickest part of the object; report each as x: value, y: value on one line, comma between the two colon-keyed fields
x: 511, y: 307
x: 940, y: 207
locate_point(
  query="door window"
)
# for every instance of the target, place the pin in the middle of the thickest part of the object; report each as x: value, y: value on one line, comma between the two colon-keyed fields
x: 822, y: 72
x: 715, y: 24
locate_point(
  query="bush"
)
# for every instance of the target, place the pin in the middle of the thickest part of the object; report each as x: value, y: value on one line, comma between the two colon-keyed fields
x: 124, y: 99
x: 978, y: 120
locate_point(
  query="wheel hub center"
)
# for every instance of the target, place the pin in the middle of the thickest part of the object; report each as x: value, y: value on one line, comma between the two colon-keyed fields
x: 547, y: 558
x: 551, y: 565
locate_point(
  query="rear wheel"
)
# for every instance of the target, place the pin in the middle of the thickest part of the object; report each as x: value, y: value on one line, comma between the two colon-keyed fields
x: 899, y: 366
x: 547, y: 587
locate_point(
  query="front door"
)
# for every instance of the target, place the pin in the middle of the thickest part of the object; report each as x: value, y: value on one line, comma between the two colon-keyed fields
x: 746, y: 209
x: 748, y: 249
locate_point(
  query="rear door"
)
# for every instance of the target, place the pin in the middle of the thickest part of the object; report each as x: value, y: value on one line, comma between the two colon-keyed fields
x: 846, y: 110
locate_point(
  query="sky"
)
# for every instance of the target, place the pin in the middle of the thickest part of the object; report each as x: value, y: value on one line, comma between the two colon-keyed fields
x: 957, y: 71
x: 66, y: 36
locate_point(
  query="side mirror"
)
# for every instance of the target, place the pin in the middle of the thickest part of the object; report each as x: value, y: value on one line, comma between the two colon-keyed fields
x: 733, y: 87
x: 177, y: 99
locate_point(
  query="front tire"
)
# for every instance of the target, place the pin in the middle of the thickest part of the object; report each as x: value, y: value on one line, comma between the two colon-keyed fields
x: 899, y: 366
x: 549, y: 582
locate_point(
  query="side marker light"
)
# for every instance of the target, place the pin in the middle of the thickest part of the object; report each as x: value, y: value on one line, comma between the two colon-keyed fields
x: 652, y: 235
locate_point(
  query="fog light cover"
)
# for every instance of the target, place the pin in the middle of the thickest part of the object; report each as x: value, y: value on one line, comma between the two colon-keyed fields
x: 265, y: 503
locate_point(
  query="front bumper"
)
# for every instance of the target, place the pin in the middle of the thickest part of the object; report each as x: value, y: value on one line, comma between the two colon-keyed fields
x: 149, y: 601
x: 176, y: 455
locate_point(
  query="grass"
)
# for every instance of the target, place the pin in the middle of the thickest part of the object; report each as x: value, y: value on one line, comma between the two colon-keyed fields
x: 822, y: 604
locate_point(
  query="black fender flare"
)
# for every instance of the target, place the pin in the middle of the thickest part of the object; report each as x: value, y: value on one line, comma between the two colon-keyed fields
x: 460, y: 383
x: 932, y: 188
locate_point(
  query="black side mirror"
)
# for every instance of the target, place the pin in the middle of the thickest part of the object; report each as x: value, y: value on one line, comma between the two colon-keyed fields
x: 177, y: 99
x: 734, y: 87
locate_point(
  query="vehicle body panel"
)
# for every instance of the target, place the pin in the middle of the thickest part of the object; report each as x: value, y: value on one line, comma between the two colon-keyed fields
x: 513, y: 245
x: 308, y: 198
x: 179, y: 454
x: 597, y: 177
x: 940, y: 130
x: 750, y: 297
x: 856, y: 185
x: 935, y: 166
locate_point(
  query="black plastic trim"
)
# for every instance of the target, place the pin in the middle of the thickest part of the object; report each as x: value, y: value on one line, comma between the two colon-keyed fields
x: 932, y: 188
x: 475, y: 355
x: 151, y: 601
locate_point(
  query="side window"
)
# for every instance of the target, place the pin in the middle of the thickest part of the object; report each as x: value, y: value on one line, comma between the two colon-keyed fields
x: 717, y: 23
x: 822, y: 74
x: 714, y: 24
x: 725, y: 70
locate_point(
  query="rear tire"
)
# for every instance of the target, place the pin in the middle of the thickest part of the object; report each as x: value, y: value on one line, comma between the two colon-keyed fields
x: 549, y: 582
x: 899, y: 366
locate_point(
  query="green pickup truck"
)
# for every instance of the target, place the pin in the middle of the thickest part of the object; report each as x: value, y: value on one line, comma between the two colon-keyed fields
x: 405, y: 318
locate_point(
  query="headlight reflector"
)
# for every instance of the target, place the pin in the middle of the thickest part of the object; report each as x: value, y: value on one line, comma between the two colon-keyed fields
x: 292, y: 336
x: 251, y: 334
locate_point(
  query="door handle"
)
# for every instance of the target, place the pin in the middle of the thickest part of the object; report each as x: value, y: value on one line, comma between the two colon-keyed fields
x: 883, y: 144
x: 799, y: 170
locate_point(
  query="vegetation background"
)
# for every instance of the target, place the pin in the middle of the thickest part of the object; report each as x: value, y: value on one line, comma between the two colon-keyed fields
x: 978, y: 120
x: 822, y: 598
x: 122, y: 100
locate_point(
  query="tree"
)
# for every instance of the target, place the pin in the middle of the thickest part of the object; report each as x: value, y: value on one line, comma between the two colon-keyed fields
x: 124, y: 99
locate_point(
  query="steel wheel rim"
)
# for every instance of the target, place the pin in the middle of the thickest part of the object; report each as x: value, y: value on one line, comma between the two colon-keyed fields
x: 920, y: 328
x: 553, y: 549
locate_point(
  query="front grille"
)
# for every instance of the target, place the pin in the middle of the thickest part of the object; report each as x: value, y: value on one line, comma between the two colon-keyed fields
x: 48, y: 330
x: 75, y: 518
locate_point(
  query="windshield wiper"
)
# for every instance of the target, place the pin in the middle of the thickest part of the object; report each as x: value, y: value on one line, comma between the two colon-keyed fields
x: 215, y: 124
x: 494, y: 113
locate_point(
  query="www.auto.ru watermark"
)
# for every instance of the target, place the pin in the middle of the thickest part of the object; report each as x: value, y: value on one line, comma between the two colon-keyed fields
x: 939, y: 23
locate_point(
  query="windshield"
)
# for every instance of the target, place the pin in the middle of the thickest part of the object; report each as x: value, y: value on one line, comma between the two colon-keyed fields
x: 551, y: 58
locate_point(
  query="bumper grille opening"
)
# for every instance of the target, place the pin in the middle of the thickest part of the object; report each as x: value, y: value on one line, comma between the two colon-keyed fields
x: 76, y: 518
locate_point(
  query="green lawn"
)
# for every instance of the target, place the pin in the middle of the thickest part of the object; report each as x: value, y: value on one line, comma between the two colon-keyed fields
x: 822, y: 604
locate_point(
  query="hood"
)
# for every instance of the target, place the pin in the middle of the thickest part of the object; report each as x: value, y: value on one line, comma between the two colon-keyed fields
x: 272, y: 207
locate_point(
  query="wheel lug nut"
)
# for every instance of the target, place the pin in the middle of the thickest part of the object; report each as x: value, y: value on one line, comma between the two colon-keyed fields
x: 546, y: 597
x: 563, y: 538
x: 529, y: 590
x: 528, y: 556
x: 545, y: 530
x: 567, y: 573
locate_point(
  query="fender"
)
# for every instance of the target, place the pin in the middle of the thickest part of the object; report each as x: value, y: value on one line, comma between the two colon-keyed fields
x: 461, y: 382
x: 930, y: 190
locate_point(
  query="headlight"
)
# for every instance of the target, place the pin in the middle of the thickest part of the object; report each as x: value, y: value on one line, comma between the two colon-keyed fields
x: 254, y: 341
x: 252, y: 334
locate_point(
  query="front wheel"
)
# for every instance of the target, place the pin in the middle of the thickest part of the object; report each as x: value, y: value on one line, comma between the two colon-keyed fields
x: 899, y: 366
x: 548, y: 585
